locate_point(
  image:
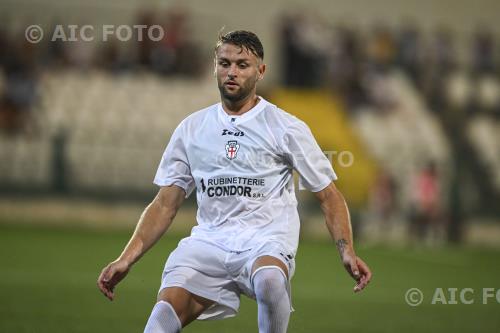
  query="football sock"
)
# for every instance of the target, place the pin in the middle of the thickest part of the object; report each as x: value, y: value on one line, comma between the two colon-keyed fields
x: 270, y: 286
x: 163, y: 319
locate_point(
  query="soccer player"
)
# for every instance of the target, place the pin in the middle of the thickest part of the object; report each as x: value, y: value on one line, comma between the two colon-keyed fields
x: 239, y: 155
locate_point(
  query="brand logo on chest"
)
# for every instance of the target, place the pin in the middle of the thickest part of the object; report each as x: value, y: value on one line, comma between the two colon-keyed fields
x: 228, y: 132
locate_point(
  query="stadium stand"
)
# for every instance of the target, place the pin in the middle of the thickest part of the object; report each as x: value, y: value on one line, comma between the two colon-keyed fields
x: 484, y: 134
x: 395, y: 95
x: 405, y: 136
x: 327, y: 118
x: 115, y: 128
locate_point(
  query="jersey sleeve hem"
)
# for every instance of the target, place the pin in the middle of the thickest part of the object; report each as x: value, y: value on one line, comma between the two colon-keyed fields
x: 177, y: 183
x: 321, y: 187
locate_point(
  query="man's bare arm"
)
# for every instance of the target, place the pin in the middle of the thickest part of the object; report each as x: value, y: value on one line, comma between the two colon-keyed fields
x: 338, y: 223
x: 154, y: 221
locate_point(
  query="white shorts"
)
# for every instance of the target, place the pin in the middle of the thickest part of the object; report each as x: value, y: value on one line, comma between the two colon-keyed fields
x: 206, y: 270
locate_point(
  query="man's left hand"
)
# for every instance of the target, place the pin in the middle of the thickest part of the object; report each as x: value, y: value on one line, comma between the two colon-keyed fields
x: 359, y: 271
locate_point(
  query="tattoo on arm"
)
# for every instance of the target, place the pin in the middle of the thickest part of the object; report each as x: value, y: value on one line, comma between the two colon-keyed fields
x: 341, y: 244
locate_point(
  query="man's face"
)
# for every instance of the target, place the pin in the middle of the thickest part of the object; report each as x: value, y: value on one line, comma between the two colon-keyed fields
x: 238, y: 71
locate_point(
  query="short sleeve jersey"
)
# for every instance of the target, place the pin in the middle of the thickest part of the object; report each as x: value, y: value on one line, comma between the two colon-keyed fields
x: 242, y: 170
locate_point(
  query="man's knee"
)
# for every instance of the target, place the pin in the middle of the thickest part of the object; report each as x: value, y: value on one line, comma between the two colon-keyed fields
x: 178, y: 299
x: 186, y: 305
x: 269, y: 284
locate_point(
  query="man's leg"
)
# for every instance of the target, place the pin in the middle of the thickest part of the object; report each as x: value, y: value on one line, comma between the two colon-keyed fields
x: 175, y: 308
x: 270, y: 278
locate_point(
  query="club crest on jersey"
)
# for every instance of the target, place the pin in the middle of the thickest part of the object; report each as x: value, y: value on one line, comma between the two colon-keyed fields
x: 232, y: 148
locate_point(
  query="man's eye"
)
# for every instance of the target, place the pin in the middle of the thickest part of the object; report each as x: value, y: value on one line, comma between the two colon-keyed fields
x: 243, y: 65
x: 223, y: 64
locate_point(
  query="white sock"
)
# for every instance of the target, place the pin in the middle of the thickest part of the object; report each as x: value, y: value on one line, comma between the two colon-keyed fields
x: 163, y: 319
x: 270, y: 286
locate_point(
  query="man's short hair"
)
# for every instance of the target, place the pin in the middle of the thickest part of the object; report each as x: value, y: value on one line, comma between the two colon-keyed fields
x: 243, y: 39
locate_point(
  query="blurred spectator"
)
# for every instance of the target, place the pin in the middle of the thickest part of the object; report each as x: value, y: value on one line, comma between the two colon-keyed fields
x: 442, y: 51
x: 483, y: 52
x: 54, y: 55
x: 409, y: 56
x: 4, y: 46
x: 20, y: 90
x: 381, y: 49
x: 346, y: 66
x: 176, y: 53
x: 290, y: 56
x: 441, y: 62
x: 486, y: 92
x: 145, y: 46
x: 383, y: 202
x: 115, y: 58
x: 306, y: 43
x: 425, y: 216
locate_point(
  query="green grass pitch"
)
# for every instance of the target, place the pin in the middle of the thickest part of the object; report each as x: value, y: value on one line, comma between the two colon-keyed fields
x: 48, y: 284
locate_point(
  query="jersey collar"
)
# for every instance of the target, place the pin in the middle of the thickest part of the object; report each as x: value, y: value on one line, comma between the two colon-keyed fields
x: 236, y: 120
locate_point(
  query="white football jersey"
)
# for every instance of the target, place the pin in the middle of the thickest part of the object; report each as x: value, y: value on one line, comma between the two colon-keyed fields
x: 241, y: 167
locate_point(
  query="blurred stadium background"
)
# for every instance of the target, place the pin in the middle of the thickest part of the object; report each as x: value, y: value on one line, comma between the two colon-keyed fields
x: 404, y: 97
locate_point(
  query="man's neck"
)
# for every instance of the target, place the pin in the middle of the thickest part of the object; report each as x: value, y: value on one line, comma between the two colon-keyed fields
x: 240, y: 107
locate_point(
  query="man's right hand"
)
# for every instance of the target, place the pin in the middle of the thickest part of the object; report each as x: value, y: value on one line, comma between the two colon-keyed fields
x: 110, y: 276
x: 154, y: 221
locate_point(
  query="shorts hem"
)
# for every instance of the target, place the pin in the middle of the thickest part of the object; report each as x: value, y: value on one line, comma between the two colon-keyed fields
x: 230, y: 310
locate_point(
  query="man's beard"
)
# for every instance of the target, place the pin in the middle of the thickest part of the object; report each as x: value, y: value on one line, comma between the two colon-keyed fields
x: 240, y: 95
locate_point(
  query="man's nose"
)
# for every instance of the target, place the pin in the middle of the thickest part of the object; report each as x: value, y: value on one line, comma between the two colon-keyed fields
x: 233, y: 72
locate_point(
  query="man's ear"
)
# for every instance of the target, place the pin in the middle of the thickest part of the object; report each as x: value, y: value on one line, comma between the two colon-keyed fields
x: 215, y: 66
x: 262, y: 70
